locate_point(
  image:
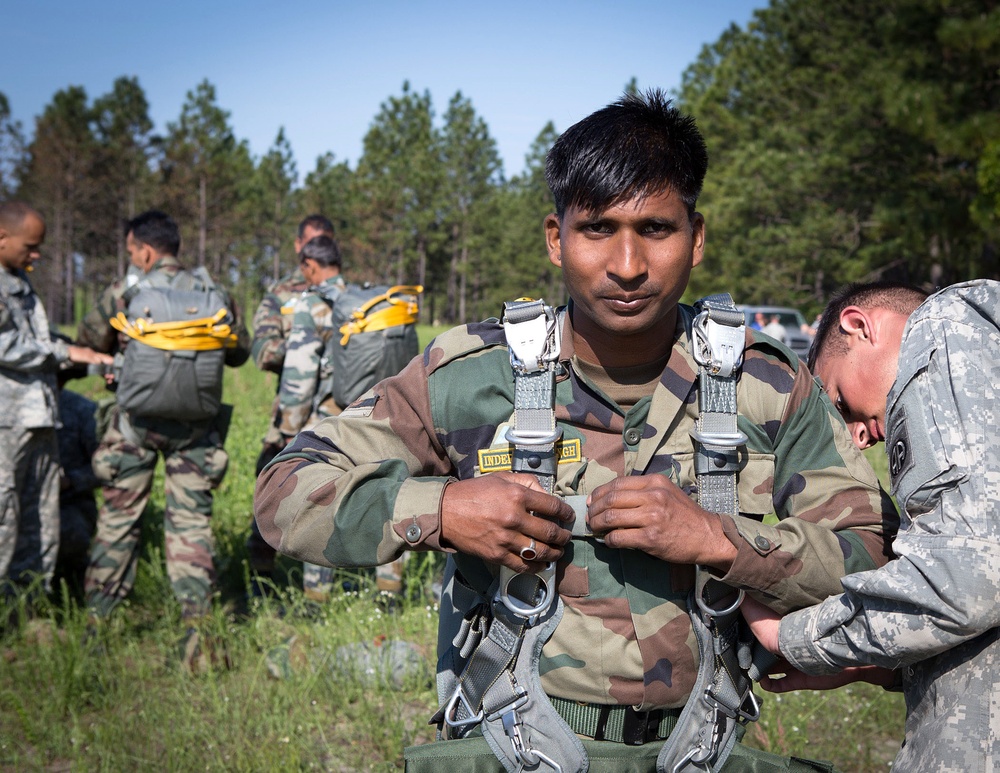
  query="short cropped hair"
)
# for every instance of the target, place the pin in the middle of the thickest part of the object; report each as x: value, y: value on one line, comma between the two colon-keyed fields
x: 323, y: 250
x: 316, y: 222
x: 13, y: 214
x: 639, y: 146
x: 892, y: 296
x: 156, y: 229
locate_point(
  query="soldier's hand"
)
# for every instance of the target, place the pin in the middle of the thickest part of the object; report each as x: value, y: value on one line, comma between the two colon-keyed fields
x: 650, y: 513
x: 792, y: 679
x: 496, y: 516
x: 764, y: 622
x: 87, y: 356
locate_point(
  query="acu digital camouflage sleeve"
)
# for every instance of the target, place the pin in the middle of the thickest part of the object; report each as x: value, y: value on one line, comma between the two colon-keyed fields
x: 943, y: 440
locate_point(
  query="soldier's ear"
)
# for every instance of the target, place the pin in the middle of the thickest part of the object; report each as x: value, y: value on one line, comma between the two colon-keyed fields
x: 856, y: 324
x: 553, y: 241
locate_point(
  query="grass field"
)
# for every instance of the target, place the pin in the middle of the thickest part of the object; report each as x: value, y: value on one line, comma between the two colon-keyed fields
x: 286, y: 701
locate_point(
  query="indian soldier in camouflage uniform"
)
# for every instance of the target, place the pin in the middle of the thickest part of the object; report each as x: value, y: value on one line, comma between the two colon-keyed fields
x: 304, y: 393
x: 271, y: 325
x: 29, y: 359
x: 409, y: 465
x: 934, y: 612
x: 194, y: 459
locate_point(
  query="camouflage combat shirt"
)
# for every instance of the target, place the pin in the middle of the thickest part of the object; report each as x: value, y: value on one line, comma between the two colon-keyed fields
x: 273, y: 321
x: 29, y: 357
x: 306, y: 373
x: 361, y: 488
x: 935, y: 610
x: 96, y: 332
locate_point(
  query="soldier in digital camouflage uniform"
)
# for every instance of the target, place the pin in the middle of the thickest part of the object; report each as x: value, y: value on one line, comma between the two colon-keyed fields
x: 194, y: 460
x: 934, y: 612
x: 29, y: 359
x: 271, y: 325
x: 399, y: 469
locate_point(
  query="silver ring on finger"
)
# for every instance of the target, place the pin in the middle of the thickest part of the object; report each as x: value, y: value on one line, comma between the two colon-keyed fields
x: 528, y: 552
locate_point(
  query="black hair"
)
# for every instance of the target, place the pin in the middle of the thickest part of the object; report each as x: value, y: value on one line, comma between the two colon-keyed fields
x: 638, y: 146
x: 156, y: 229
x: 317, y: 222
x: 14, y: 213
x: 323, y: 250
x: 894, y: 296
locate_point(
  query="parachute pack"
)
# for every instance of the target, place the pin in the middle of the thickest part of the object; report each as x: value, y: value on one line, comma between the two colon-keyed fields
x: 374, y: 337
x: 180, y: 328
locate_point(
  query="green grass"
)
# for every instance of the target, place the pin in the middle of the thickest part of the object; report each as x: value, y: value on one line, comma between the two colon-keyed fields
x: 121, y: 702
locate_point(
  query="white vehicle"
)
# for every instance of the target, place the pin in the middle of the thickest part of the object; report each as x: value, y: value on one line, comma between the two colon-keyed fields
x: 793, y: 331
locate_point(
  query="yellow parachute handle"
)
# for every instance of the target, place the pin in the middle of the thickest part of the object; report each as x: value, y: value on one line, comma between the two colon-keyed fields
x: 402, y: 311
x: 190, y: 335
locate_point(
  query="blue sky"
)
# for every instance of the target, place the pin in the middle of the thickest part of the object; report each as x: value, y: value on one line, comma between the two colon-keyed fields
x: 321, y: 69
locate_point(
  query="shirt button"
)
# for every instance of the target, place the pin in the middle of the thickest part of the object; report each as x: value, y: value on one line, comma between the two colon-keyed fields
x: 632, y: 436
x: 762, y: 542
x: 413, y: 533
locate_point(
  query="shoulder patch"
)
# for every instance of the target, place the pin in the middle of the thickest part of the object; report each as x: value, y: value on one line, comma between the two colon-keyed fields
x: 361, y: 407
x: 898, y: 448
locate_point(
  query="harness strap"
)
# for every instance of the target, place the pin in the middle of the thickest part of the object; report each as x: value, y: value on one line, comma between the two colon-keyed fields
x: 502, y: 638
x: 192, y: 335
x: 401, y: 311
x: 722, y: 698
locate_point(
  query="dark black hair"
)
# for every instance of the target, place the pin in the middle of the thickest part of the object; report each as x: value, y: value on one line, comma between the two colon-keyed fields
x: 14, y: 213
x: 323, y: 250
x: 317, y: 222
x: 157, y: 229
x: 894, y: 296
x: 638, y: 146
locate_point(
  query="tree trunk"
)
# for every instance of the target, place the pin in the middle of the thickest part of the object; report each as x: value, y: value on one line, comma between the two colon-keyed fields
x: 202, y: 218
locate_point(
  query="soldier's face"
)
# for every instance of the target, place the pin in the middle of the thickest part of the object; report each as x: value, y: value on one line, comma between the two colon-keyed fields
x: 625, y: 269
x: 308, y: 233
x: 21, y: 246
x: 858, y: 382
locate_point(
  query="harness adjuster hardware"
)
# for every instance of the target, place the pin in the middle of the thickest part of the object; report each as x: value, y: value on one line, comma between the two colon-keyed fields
x: 717, y: 347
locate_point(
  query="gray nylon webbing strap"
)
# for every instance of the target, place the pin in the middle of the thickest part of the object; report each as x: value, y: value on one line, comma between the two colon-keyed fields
x: 722, y: 696
x: 499, y: 687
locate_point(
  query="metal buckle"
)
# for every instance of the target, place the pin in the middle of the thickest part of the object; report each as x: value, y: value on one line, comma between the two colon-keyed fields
x: 457, y: 698
x: 532, y: 437
x: 533, y: 343
x: 717, y: 347
x: 525, y: 755
x: 547, y: 575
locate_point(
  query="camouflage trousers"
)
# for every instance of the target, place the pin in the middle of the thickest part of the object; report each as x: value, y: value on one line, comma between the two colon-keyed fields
x: 125, y: 460
x: 318, y: 580
x: 29, y: 504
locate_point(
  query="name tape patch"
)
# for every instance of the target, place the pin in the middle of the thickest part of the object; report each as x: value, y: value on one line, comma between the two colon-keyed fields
x: 500, y: 459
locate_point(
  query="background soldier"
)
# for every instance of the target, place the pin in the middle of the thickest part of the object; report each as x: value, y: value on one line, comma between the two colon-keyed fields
x: 78, y: 439
x: 29, y: 358
x: 271, y: 325
x: 305, y: 391
x: 923, y: 376
x: 194, y: 459
x: 400, y: 470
